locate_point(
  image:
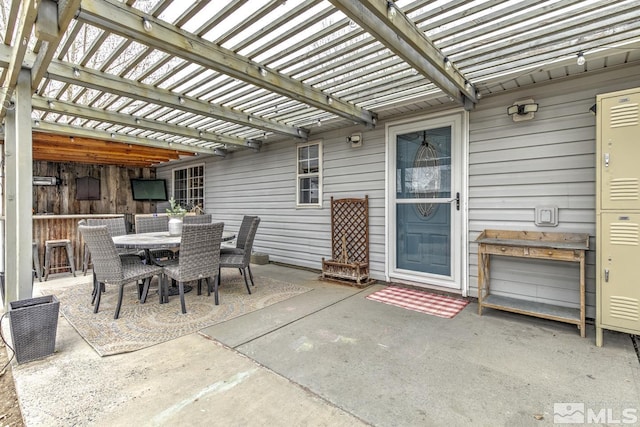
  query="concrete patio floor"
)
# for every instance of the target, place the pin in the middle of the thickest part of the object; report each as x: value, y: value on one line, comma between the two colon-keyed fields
x: 330, y: 357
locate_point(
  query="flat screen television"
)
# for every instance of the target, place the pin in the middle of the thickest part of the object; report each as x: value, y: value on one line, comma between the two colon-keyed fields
x: 149, y: 189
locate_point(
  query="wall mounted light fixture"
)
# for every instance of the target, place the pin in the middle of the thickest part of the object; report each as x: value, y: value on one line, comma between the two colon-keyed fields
x: 522, y: 110
x: 391, y: 10
x: 146, y: 24
x: 355, y: 140
x: 254, y: 145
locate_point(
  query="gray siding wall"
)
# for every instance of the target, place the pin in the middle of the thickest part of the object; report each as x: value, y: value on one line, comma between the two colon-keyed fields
x: 513, y: 167
x: 550, y: 160
x: 264, y: 184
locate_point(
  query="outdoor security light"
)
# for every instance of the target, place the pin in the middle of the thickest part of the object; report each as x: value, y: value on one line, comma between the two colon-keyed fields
x: 522, y: 110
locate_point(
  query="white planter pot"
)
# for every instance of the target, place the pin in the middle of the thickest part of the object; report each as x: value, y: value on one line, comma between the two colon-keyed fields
x: 175, y: 226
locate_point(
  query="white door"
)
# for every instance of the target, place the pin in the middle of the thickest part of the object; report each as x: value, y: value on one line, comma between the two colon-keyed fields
x: 425, y: 201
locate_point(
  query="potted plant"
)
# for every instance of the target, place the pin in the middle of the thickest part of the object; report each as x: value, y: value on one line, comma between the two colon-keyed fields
x: 176, y: 213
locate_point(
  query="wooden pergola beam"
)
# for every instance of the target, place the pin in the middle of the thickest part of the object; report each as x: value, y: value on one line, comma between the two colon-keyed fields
x: 78, y: 149
x: 65, y: 152
x: 66, y: 10
x: 65, y: 149
x: 28, y: 13
x: 104, y: 82
x: 391, y: 27
x: 88, y: 158
x: 99, y: 146
x: 111, y: 156
x: 75, y: 131
x: 128, y: 22
x: 87, y: 77
x: 75, y: 110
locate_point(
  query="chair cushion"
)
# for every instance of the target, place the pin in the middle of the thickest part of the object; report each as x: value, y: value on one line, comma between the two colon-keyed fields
x: 231, y: 251
x: 130, y: 259
x: 135, y: 272
x: 232, y: 260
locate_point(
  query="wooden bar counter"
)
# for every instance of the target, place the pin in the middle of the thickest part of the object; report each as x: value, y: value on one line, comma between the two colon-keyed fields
x: 52, y: 227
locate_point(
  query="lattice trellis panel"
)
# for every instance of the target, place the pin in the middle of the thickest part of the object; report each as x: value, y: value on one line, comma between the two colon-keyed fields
x: 350, y: 230
x: 349, y: 241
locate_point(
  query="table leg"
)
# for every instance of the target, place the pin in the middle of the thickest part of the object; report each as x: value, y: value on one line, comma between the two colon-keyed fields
x: 582, y: 297
x: 483, y: 277
x: 480, y: 282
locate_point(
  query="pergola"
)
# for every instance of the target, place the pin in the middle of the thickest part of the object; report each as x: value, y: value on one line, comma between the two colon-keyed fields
x: 174, y: 78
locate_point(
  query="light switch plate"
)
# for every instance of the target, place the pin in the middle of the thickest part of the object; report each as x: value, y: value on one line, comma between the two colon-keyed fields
x: 546, y: 216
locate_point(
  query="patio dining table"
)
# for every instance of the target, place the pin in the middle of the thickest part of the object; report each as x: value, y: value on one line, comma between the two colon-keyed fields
x: 157, y: 240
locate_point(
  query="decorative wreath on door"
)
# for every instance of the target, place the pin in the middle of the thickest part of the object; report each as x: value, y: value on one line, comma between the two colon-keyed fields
x: 426, y: 161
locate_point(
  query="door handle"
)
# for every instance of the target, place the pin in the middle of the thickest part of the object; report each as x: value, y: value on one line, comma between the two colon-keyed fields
x: 457, y: 200
x: 606, y: 274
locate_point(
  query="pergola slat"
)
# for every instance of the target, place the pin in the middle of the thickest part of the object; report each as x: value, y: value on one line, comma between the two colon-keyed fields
x: 28, y: 13
x: 72, y: 109
x: 210, y: 54
x: 123, y: 87
x: 393, y: 29
x: 128, y: 23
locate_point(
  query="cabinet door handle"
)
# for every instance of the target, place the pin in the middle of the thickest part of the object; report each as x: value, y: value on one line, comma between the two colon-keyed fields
x: 606, y: 160
x: 606, y: 274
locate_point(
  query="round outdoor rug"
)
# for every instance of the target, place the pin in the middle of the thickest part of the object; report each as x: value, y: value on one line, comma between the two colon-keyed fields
x: 144, y: 325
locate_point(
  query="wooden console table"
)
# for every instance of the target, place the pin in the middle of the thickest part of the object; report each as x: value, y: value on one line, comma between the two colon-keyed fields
x: 530, y: 244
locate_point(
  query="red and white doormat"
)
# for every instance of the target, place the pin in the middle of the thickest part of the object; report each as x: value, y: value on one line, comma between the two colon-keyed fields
x: 424, y: 302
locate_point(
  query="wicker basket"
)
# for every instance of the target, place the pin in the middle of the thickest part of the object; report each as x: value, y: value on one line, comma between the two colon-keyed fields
x: 34, y: 323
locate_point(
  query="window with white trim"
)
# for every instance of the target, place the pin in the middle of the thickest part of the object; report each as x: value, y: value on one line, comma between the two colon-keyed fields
x: 309, y: 174
x: 188, y: 186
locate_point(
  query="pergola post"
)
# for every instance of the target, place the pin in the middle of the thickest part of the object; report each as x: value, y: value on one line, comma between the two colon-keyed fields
x: 18, y: 194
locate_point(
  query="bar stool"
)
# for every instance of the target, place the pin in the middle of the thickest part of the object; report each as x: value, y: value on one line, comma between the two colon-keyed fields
x: 50, y: 245
x: 36, y: 260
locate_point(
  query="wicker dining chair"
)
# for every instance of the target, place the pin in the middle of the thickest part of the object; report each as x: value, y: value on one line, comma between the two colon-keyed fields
x: 194, y: 219
x: 197, y: 219
x: 116, y: 227
x: 241, y: 237
x: 109, y: 268
x: 199, y: 259
x: 240, y: 256
x: 153, y: 224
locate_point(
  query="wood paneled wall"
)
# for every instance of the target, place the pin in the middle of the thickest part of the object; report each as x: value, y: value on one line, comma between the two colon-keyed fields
x: 54, y: 227
x: 115, y: 189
